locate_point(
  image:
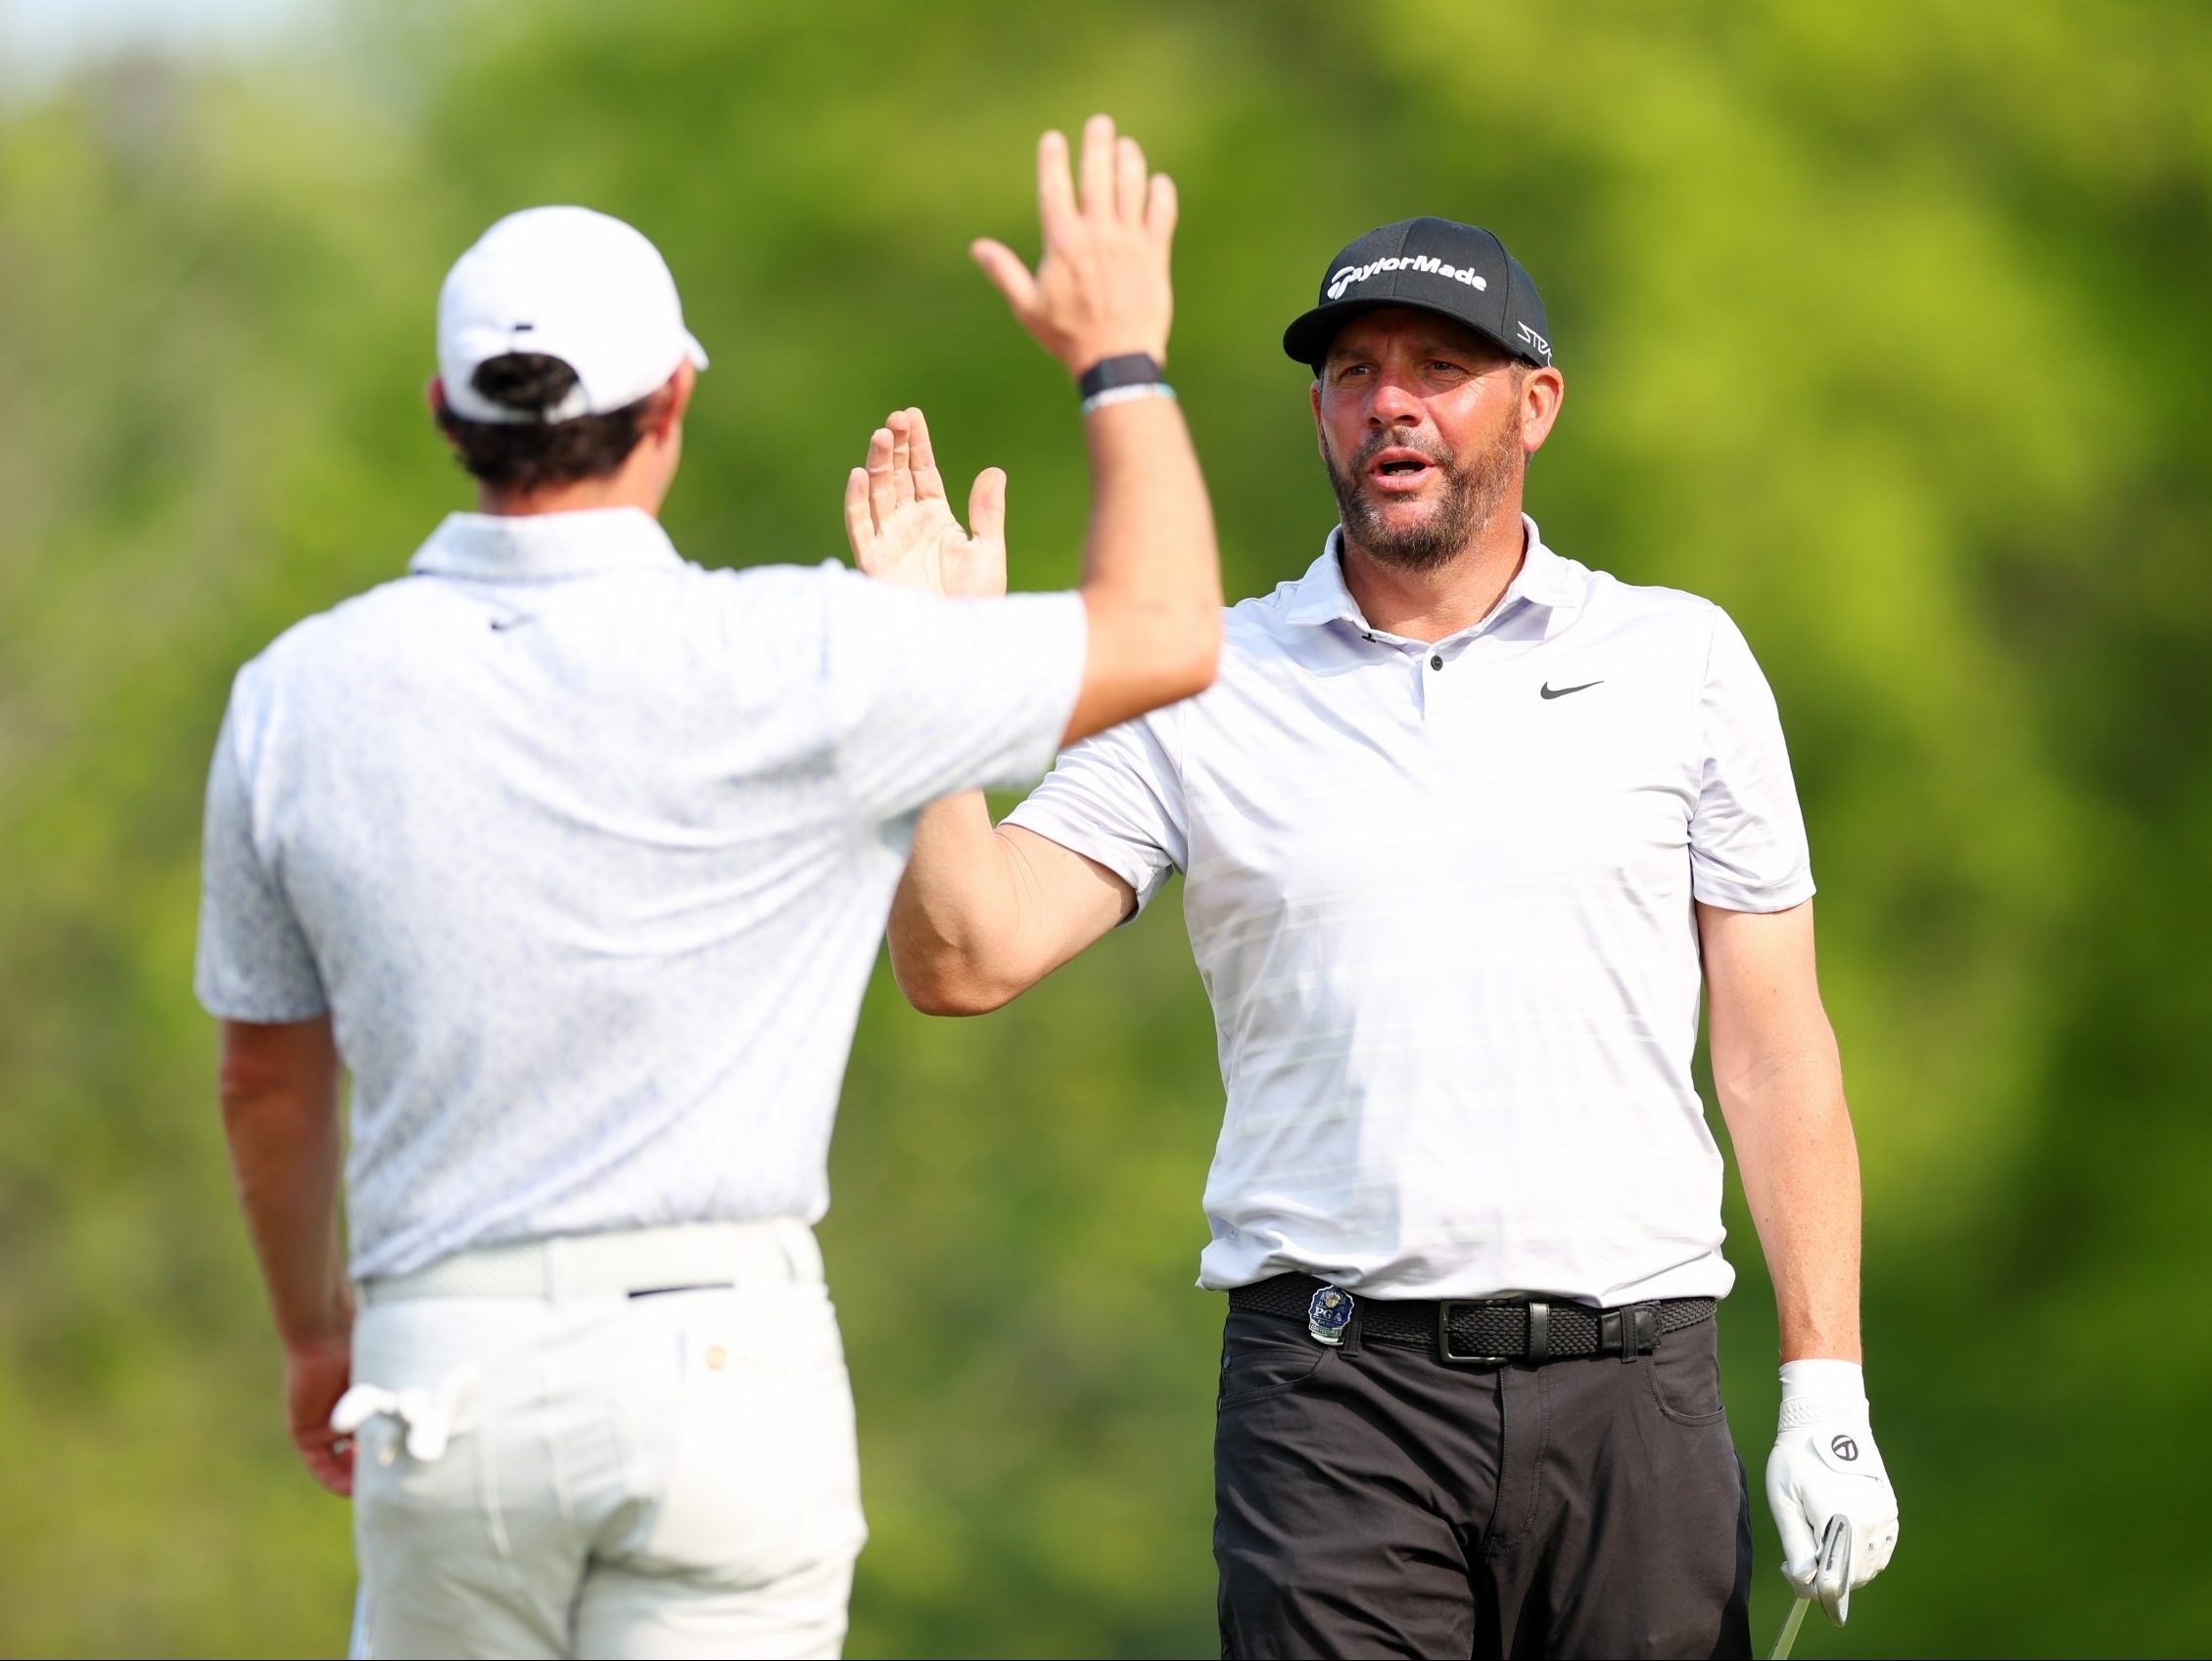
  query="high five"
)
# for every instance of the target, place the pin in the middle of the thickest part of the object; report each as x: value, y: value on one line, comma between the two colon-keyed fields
x: 1100, y: 301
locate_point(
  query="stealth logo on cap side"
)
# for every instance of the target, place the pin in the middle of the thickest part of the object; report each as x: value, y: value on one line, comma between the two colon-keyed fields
x: 1531, y: 337
x: 1345, y: 276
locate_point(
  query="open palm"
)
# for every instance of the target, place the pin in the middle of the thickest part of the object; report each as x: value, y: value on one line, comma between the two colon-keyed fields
x: 902, y: 527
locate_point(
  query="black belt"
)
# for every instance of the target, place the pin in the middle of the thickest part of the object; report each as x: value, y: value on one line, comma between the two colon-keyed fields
x: 1489, y: 1331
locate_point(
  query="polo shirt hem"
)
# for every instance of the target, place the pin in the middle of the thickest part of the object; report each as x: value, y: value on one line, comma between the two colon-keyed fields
x: 1109, y: 851
x: 1732, y: 896
x: 1073, y: 615
x: 259, y: 1015
x: 1715, y: 1283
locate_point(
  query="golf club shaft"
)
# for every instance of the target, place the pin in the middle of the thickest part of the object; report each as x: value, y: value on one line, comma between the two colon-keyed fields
x: 1782, y: 1649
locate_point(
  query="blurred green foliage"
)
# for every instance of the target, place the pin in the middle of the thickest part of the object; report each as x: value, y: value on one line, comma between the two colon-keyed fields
x: 1884, y: 326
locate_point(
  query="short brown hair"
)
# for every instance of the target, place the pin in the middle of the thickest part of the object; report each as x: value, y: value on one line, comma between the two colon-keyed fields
x: 527, y: 455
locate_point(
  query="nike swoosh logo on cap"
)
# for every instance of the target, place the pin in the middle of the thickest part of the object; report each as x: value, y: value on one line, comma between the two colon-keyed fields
x: 1551, y: 691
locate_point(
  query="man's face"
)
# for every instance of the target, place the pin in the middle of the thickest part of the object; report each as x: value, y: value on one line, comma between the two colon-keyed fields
x: 1422, y: 425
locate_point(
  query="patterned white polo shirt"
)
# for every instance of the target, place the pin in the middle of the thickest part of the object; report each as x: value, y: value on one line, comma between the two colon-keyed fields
x: 586, y: 851
x: 1440, y: 896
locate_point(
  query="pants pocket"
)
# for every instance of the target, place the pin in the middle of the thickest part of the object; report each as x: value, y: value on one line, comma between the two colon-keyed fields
x: 438, y: 1573
x: 1263, y: 1356
x: 761, y: 1471
x: 1684, y: 1376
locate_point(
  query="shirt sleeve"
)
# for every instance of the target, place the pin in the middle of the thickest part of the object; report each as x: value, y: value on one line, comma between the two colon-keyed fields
x: 254, y: 962
x: 1748, y: 849
x: 931, y: 697
x: 1117, y: 797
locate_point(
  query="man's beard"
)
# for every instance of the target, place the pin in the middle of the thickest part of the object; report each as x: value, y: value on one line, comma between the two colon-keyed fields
x: 1472, y: 494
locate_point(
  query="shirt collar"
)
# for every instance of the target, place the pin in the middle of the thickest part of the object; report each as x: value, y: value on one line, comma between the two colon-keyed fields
x: 537, y: 547
x: 1544, y: 578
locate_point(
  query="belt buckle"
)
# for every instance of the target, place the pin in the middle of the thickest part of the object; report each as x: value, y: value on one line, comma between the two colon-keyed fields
x: 1444, y: 1351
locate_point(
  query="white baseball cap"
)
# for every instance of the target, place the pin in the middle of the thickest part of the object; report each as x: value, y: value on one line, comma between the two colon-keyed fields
x: 571, y: 284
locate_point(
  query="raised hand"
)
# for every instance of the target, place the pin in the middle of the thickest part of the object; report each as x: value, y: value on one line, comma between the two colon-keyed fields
x: 1101, y: 288
x: 902, y: 528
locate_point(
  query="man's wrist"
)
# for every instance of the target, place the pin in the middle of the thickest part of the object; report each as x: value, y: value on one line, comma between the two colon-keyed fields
x: 1823, y: 1377
x: 1093, y: 359
x: 331, y: 1325
x: 1119, y: 369
x: 1123, y: 378
x: 1112, y: 395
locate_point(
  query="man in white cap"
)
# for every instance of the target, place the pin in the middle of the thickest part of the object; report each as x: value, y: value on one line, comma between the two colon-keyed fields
x: 575, y: 856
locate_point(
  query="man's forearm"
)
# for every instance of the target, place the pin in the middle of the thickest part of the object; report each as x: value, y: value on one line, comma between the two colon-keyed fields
x: 1151, y: 581
x: 280, y: 1116
x: 1149, y: 539
x: 952, y: 907
x: 1800, y: 1164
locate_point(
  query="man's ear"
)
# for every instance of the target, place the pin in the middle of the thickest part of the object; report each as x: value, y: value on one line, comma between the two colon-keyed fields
x: 676, y: 398
x: 1542, y: 390
x: 1320, y: 434
x: 434, y: 394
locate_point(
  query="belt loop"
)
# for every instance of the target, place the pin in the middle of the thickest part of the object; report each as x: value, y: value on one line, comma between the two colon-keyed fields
x: 1539, y: 1332
x: 1350, y: 1344
x: 801, y: 1252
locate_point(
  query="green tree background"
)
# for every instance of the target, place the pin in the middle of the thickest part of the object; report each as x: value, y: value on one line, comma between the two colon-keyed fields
x: 1884, y: 326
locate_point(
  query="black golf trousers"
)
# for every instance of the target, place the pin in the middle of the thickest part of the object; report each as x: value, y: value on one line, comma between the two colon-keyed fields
x: 1373, y: 1500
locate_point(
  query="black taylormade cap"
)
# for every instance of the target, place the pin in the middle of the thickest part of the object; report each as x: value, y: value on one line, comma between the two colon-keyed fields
x: 1459, y: 271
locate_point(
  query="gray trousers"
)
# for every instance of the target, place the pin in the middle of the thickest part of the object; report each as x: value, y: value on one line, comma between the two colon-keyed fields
x: 1374, y: 1501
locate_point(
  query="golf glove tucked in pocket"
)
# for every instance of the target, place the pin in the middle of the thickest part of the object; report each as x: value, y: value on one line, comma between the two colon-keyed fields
x: 429, y: 1417
x: 1825, y: 1463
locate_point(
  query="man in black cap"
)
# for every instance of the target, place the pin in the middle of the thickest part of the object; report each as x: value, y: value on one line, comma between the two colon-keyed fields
x: 1467, y: 827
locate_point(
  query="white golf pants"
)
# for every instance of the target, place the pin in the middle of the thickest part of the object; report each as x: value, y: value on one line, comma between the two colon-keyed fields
x: 549, y: 1464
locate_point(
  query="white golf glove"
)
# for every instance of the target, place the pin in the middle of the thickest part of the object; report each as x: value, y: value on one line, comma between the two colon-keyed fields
x: 1825, y: 1463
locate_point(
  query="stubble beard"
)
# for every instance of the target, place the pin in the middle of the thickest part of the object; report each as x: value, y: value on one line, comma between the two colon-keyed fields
x: 1473, y: 492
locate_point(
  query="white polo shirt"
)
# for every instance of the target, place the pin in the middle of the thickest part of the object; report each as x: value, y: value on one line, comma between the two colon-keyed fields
x: 587, y: 852
x: 1440, y: 896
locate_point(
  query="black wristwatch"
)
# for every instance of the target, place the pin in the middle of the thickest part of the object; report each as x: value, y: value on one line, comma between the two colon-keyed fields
x: 1130, y: 369
x: 1120, y: 379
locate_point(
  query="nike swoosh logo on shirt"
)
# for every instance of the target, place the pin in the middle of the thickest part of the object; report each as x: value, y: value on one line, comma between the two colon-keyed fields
x: 1551, y: 691
x: 499, y: 625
